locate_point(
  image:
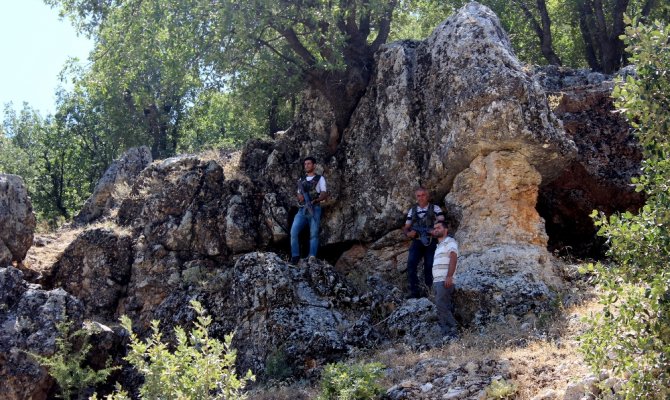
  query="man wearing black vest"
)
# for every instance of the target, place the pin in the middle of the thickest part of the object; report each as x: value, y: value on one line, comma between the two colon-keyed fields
x: 418, y: 226
x: 311, y: 192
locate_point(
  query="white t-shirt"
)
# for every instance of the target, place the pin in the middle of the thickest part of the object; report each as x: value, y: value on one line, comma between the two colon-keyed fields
x: 441, y: 258
x: 421, y: 212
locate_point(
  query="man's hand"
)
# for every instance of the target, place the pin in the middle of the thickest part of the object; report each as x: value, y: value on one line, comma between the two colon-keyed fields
x: 411, y: 234
x: 301, y: 198
x: 449, y: 282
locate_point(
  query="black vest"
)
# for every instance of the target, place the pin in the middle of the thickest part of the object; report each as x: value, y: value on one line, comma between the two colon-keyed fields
x: 309, y: 187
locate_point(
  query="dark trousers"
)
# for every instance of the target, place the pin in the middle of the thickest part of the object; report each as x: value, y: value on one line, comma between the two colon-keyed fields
x: 417, y: 251
x: 445, y: 308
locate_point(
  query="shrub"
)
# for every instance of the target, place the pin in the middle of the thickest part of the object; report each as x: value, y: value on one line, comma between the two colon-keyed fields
x: 501, y: 389
x: 66, y: 365
x: 348, y: 382
x: 632, y: 335
x: 200, y: 367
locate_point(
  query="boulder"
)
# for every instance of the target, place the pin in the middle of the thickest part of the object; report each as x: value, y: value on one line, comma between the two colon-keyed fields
x: 17, y: 221
x: 431, y: 109
x: 415, y: 324
x: 28, y: 324
x: 95, y: 268
x: 295, y: 318
x: 114, y: 185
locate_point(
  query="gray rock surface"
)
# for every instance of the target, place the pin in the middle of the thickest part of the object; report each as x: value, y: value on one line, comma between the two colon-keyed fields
x: 415, y: 324
x: 28, y: 319
x: 95, y: 268
x: 115, y: 184
x: 17, y: 221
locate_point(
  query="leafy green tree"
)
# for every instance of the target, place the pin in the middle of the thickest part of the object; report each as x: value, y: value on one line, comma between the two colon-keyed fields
x: 156, y: 55
x: 49, y: 159
x: 632, y: 335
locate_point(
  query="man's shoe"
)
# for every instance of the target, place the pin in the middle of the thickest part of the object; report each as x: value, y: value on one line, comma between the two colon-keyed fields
x: 295, y: 260
x: 412, y: 296
x: 311, y: 259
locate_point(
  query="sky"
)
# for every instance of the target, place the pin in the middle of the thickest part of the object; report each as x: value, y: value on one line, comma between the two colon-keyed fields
x: 34, y: 45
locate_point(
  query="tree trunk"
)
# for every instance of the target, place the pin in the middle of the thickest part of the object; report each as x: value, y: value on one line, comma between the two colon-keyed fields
x: 542, y: 30
x: 604, y: 48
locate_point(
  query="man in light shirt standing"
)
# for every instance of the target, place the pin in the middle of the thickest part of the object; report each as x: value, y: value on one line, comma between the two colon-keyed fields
x: 444, y: 267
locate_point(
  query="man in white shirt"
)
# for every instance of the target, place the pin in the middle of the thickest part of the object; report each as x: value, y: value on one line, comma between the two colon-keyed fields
x: 444, y: 267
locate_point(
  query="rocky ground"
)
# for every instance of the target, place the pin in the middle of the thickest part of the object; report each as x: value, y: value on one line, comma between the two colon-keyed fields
x: 538, y: 361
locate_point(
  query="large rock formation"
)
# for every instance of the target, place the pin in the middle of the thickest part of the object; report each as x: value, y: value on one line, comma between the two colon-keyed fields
x: 456, y: 113
x: 17, y: 222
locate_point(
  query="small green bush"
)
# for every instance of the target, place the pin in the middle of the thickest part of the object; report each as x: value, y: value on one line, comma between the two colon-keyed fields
x: 66, y: 365
x: 501, y: 389
x: 200, y: 367
x: 351, y: 382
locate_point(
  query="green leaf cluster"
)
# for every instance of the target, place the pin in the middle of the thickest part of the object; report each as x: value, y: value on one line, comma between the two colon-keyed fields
x: 53, y: 160
x: 351, y: 382
x: 632, y: 334
x: 199, y: 367
x: 68, y: 363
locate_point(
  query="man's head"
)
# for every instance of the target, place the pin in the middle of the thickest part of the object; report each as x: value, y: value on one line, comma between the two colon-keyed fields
x: 422, y: 196
x: 440, y: 229
x: 309, y: 163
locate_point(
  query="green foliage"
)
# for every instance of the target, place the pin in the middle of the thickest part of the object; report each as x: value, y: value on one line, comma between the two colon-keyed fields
x: 632, y: 335
x: 501, y: 389
x: 277, y: 366
x: 200, y: 367
x: 66, y: 365
x: 51, y: 159
x: 351, y: 382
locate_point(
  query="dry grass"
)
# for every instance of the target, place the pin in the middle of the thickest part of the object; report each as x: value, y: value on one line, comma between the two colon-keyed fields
x: 537, y: 360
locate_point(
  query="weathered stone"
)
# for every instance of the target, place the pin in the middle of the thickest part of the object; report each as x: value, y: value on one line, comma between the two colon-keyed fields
x: 608, y: 156
x: 504, y: 265
x: 95, y: 268
x: 295, y: 314
x: 115, y: 184
x: 415, y: 323
x: 17, y: 222
x: 28, y: 322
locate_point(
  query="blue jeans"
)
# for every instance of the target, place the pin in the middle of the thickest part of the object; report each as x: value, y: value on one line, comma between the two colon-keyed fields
x: 301, y: 219
x: 417, y: 251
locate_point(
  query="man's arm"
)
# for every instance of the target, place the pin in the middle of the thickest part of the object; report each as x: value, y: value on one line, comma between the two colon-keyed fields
x: 408, y: 231
x: 449, y: 282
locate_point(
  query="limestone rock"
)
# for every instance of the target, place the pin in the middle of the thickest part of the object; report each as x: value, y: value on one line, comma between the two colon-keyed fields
x: 115, y: 184
x: 95, y: 268
x: 28, y: 324
x: 430, y: 110
x: 295, y: 314
x: 504, y: 265
x: 17, y: 222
